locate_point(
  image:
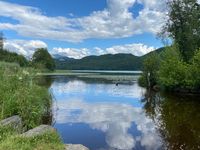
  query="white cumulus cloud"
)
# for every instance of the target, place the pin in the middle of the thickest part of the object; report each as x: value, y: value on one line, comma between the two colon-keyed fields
x: 110, y: 117
x: 115, y: 21
x: 28, y: 47
x: 24, y: 47
x: 137, y: 49
x: 72, y: 52
x: 113, y: 119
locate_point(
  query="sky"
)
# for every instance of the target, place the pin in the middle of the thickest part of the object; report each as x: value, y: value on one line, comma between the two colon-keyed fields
x: 78, y: 28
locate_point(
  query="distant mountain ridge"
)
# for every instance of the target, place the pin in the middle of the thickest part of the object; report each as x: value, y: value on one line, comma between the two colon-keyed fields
x: 61, y: 58
x: 103, y: 62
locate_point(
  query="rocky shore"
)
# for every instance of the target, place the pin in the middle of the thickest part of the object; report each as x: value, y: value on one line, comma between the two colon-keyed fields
x: 16, y: 123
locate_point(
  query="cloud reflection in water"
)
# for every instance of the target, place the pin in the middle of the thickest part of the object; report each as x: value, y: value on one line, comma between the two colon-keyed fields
x: 78, y: 86
x: 113, y: 118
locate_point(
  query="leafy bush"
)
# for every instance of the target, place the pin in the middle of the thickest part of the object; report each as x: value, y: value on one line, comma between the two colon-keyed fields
x: 195, y: 70
x: 150, y: 69
x: 170, y: 71
x: 173, y: 71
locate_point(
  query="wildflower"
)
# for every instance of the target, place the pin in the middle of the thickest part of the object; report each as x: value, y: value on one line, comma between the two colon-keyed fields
x: 25, y: 72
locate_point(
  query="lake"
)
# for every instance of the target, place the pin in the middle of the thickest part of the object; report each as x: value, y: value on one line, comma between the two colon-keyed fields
x: 103, y: 115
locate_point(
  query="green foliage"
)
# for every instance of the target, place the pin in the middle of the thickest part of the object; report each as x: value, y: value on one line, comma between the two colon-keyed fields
x: 150, y: 69
x: 170, y: 71
x: 180, y: 66
x: 6, y: 131
x: 9, y: 140
x: 13, y: 57
x: 7, y: 56
x: 43, y: 60
x: 1, y: 40
x: 142, y: 81
x: 19, y: 95
x: 195, y: 70
x: 184, y: 26
x: 174, y: 73
x: 173, y: 70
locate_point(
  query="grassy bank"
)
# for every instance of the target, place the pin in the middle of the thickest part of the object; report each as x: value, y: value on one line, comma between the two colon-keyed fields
x: 10, y: 140
x: 20, y: 95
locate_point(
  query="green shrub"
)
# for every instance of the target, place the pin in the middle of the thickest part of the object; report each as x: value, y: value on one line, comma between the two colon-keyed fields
x: 170, y: 71
x: 142, y: 81
x: 173, y: 71
x: 150, y: 69
x: 195, y: 70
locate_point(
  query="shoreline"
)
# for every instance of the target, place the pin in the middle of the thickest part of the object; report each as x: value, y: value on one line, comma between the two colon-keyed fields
x: 109, y: 76
x: 14, y: 123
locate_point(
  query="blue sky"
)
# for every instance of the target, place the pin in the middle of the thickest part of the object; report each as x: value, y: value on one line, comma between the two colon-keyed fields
x: 77, y: 28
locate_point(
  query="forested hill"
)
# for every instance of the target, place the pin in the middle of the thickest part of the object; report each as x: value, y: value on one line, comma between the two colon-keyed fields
x: 13, y: 57
x: 103, y: 62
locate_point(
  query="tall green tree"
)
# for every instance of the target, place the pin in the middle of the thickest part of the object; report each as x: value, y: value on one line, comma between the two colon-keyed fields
x: 183, y: 26
x: 1, y: 40
x: 42, y: 59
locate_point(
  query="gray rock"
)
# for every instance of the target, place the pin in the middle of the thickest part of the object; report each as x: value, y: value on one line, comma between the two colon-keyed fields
x: 40, y: 130
x: 75, y: 147
x: 14, y: 122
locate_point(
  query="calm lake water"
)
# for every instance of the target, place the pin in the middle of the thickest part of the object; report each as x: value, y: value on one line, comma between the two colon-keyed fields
x: 103, y: 116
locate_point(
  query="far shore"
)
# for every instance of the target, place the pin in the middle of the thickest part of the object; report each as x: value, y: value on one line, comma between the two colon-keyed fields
x: 97, y: 74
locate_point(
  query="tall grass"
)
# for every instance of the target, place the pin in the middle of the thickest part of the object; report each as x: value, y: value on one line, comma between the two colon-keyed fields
x: 20, y: 95
x: 10, y: 140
